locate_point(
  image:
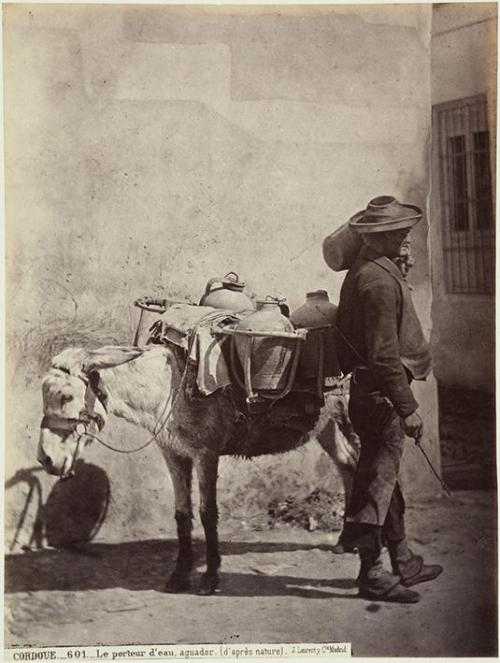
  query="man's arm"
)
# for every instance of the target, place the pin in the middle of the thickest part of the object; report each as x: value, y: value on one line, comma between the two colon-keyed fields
x: 381, y: 301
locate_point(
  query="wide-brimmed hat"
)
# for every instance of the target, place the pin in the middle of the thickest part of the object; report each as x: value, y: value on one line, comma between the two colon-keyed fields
x: 383, y: 214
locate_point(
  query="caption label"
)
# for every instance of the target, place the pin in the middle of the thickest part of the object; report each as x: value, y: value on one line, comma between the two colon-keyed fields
x: 184, y: 652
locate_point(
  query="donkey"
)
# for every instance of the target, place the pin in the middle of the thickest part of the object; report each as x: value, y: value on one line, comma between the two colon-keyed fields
x: 145, y: 386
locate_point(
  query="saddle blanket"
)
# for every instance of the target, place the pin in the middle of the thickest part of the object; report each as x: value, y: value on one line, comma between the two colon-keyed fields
x: 192, y: 329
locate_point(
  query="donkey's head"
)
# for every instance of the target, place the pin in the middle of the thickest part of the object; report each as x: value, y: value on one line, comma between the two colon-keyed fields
x: 73, y: 407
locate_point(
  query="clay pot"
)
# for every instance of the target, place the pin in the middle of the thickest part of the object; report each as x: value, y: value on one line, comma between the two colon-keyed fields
x: 319, y: 353
x: 266, y: 359
x: 226, y: 293
x: 316, y: 312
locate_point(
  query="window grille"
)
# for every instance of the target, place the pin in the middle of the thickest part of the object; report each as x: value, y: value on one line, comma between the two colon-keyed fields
x: 466, y: 196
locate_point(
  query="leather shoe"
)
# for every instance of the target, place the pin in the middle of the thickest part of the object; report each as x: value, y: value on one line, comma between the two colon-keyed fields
x: 410, y: 567
x: 426, y: 573
x: 377, y: 584
x: 397, y: 594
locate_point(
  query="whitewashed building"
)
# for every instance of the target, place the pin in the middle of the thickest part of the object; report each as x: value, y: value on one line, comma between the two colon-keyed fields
x: 463, y: 94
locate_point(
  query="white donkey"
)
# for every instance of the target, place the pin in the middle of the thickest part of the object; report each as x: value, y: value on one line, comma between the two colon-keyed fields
x: 146, y: 387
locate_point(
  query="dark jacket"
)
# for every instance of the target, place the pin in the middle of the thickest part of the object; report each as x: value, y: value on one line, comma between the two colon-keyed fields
x: 371, y: 330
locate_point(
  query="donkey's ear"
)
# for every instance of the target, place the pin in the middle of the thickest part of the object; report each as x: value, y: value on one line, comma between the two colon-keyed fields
x: 70, y: 360
x: 109, y: 356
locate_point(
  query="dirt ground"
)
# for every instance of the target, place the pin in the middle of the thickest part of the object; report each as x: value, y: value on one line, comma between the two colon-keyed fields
x: 281, y: 585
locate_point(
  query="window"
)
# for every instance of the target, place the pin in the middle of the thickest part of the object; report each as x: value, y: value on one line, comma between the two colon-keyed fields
x: 466, y: 195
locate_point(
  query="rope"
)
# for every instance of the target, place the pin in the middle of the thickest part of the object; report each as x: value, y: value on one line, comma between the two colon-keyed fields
x: 120, y: 451
x: 156, y: 431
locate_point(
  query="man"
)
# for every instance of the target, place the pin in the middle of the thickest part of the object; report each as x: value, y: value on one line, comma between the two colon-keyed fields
x: 380, y: 342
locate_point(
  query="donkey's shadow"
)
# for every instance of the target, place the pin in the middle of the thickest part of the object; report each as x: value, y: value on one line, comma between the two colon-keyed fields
x: 144, y: 565
x: 73, y: 511
x: 64, y: 557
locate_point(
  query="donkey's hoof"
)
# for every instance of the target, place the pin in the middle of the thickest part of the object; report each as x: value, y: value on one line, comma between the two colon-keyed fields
x: 208, y: 585
x: 177, y: 583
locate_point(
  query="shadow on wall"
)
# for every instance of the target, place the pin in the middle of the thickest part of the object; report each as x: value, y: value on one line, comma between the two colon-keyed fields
x: 74, y: 510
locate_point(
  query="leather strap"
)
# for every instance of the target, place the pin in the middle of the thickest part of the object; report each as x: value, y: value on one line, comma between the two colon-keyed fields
x: 60, y: 423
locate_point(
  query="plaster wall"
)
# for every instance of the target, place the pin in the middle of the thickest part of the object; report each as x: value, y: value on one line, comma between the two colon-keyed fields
x: 149, y: 149
x: 463, y: 64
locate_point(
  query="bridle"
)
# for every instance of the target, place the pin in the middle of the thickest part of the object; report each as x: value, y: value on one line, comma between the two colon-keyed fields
x: 80, y: 426
x: 71, y: 424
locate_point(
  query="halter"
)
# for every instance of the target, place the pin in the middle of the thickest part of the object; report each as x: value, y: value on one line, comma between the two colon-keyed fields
x: 55, y: 422
x: 79, y: 425
x: 71, y: 425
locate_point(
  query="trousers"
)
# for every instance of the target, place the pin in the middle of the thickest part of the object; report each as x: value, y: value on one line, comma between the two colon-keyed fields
x: 376, y: 505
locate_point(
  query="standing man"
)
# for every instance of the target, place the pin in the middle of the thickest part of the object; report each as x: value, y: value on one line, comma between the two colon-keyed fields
x: 381, y: 343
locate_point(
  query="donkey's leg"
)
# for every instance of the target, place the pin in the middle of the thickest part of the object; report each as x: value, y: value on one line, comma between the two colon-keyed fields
x: 180, y: 469
x: 348, y: 445
x: 344, y: 423
x: 206, y: 468
x: 337, y: 437
x: 341, y: 451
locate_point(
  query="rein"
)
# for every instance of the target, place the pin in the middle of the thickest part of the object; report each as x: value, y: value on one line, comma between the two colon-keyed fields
x: 153, y: 438
x: 86, y: 418
x: 71, y: 425
x: 156, y: 430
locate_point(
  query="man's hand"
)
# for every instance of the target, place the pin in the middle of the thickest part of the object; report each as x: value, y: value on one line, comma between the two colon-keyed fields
x: 413, y: 426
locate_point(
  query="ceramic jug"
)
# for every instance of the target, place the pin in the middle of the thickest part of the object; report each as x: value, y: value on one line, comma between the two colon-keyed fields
x: 263, y: 353
x: 316, y: 312
x: 226, y: 293
x: 319, y: 356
